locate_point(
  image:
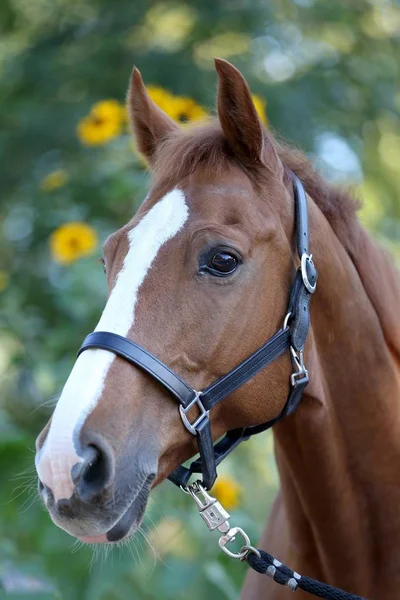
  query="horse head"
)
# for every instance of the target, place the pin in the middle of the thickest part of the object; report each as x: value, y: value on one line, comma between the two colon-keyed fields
x: 199, y: 277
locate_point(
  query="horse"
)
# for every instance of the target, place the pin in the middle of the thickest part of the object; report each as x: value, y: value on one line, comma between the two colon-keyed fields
x: 200, y: 277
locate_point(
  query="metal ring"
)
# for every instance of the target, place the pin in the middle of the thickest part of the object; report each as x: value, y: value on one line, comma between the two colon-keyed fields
x: 286, y: 320
x: 229, y: 537
x: 307, y: 258
x: 249, y: 549
x: 193, y: 488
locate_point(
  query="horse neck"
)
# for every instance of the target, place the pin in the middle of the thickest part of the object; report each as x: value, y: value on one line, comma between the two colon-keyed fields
x: 339, y: 454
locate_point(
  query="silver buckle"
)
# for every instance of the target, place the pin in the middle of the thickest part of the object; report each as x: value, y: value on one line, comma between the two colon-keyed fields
x: 230, y: 536
x: 286, y: 320
x: 203, y: 413
x: 307, y: 258
x: 211, y: 511
x: 216, y: 517
x: 298, y: 363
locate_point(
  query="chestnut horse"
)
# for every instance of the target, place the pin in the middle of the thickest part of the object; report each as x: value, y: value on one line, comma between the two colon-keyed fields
x: 200, y: 277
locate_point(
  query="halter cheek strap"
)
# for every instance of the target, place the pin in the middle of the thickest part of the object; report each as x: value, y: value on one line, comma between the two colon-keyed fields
x: 292, y: 336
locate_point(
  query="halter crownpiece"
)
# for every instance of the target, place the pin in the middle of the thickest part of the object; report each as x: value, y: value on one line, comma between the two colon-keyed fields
x: 291, y: 337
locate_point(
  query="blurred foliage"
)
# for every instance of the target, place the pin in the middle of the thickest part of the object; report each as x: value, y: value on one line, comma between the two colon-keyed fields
x: 329, y: 73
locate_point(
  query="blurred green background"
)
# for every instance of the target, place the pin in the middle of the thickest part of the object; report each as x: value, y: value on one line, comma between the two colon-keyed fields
x: 329, y: 73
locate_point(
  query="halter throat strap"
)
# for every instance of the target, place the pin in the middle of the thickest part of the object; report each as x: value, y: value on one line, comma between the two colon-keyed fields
x: 292, y: 336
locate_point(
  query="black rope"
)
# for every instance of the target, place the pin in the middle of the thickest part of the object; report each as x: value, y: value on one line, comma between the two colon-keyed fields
x: 268, y: 565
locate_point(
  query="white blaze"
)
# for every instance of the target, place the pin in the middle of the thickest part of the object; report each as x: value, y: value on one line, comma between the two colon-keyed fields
x: 85, y: 384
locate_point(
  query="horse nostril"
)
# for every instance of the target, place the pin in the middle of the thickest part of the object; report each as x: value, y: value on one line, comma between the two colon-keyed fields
x: 95, y: 469
x: 45, y: 493
x: 93, y: 474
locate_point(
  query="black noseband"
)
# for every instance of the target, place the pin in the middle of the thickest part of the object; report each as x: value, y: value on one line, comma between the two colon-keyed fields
x: 292, y: 336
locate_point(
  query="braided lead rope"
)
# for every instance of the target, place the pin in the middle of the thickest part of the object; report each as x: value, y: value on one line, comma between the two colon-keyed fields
x: 264, y: 563
x: 217, y: 518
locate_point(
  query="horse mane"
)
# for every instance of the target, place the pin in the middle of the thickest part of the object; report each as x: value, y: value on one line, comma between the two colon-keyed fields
x: 181, y: 153
x: 204, y: 145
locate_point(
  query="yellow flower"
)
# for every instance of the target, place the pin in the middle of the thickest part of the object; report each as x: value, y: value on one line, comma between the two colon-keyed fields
x: 72, y: 241
x: 108, y: 109
x: 54, y: 180
x: 260, y: 104
x: 104, y: 123
x: 179, y: 108
x: 227, y: 491
x: 163, y: 98
x: 3, y: 280
x: 185, y: 109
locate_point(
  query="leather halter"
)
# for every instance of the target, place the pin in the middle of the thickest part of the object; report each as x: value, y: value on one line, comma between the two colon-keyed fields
x: 291, y: 337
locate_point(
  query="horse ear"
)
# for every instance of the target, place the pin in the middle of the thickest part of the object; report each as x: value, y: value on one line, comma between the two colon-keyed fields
x: 238, y: 117
x: 150, y: 125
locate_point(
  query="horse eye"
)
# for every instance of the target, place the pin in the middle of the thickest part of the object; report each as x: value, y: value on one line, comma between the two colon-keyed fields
x: 222, y: 263
x: 103, y: 262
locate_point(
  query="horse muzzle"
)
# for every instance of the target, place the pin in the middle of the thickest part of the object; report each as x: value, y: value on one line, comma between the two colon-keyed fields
x: 104, y: 499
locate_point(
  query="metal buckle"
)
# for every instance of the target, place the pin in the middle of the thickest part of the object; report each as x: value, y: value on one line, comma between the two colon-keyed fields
x: 216, y: 517
x: 203, y: 413
x: 298, y: 363
x: 230, y: 537
x: 211, y: 511
x: 288, y: 316
x: 307, y: 258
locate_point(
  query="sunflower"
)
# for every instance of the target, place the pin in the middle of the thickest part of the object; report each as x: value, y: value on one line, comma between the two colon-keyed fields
x: 104, y: 123
x: 185, y: 109
x: 72, y: 241
x: 179, y: 108
x: 54, y: 180
x: 260, y: 104
x: 162, y: 97
x: 227, y: 491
